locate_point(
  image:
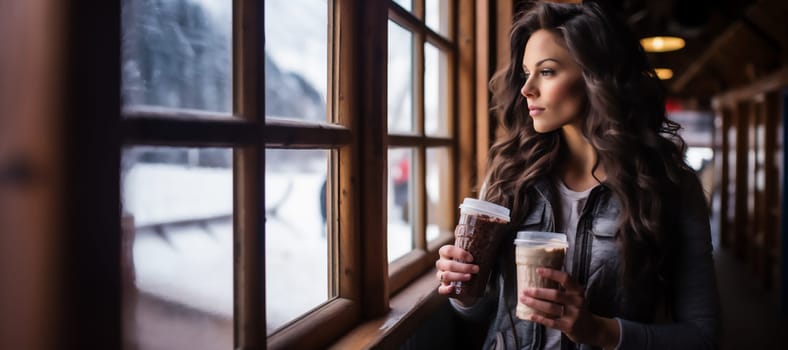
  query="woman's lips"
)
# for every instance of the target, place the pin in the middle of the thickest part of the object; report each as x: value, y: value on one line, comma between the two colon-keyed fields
x: 534, y: 111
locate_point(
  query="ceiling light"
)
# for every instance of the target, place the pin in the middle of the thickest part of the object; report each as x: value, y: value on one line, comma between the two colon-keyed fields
x: 662, y: 43
x: 664, y: 73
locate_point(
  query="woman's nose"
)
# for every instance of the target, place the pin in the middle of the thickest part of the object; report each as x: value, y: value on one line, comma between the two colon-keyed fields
x: 528, y: 90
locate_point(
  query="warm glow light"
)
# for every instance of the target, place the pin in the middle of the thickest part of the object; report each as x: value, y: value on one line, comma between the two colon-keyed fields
x: 662, y: 43
x: 664, y: 73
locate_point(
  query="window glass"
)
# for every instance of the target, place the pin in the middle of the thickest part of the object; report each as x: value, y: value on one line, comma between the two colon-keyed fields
x: 436, y: 118
x: 177, y: 54
x: 400, y: 80
x: 400, y: 202
x: 440, y: 209
x: 296, y: 59
x: 296, y: 260
x: 406, y: 4
x: 177, y: 248
x: 436, y: 14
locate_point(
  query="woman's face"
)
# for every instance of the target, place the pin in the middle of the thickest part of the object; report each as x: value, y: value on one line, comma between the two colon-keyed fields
x: 554, y: 85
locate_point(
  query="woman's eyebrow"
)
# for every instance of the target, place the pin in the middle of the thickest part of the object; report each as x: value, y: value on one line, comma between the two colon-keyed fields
x: 542, y: 61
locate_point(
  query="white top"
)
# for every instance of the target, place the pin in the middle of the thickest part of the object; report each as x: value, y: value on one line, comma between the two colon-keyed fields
x: 571, y: 206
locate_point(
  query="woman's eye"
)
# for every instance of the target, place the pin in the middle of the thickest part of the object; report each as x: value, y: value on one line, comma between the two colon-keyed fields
x: 546, y: 72
x: 526, y: 75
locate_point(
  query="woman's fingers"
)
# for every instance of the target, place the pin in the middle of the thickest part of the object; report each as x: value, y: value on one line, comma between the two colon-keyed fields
x: 564, y: 310
x: 455, y: 266
x: 446, y: 277
x: 559, y: 276
x: 452, y: 252
x: 553, y: 295
x: 545, y: 307
x: 452, y: 266
x: 445, y: 290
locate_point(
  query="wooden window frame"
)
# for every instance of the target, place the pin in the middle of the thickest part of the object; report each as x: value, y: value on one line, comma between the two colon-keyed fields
x: 408, y: 267
x: 366, y: 309
x: 249, y: 132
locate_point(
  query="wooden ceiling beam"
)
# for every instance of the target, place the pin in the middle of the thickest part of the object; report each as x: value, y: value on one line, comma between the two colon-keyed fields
x: 741, y: 24
x: 756, y: 29
x: 697, y: 67
x: 768, y: 83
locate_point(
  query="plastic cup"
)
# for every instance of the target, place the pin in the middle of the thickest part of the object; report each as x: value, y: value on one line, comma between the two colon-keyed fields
x: 479, y: 232
x: 535, y: 249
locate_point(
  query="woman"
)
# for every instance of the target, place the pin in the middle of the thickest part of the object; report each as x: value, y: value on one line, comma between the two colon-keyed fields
x: 588, y: 151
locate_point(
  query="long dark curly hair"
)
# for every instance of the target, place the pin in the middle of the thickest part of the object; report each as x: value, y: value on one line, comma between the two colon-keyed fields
x: 638, y: 147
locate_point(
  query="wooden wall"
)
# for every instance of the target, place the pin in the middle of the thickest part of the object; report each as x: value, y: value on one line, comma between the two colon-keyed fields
x: 748, y: 154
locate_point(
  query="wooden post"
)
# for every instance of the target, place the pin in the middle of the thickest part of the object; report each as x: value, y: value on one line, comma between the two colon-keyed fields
x: 373, y: 38
x: 466, y: 135
x: 740, y: 203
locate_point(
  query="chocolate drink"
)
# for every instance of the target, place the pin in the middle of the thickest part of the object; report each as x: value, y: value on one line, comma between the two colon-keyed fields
x: 480, y: 235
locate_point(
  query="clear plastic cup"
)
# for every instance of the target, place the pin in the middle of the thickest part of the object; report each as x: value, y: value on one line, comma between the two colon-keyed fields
x: 535, y: 249
x: 479, y: 231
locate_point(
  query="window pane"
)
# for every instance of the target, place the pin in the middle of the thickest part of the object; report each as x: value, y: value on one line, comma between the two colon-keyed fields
x: 435, y: 92
x: 170, y: 47
x: 406, y: 4
x: 400, y: 202
x: 296, y: 59
x: 436, y: 13
x: 400, y: 79
x: 296, y: 261
x: 440, y: 208
x: 177, y: 248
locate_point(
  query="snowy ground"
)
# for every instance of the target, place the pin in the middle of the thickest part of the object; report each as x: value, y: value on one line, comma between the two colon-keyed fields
x: 191, y: 265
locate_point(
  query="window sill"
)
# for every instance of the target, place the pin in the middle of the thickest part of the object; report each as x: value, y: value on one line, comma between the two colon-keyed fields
x: 409, y: 308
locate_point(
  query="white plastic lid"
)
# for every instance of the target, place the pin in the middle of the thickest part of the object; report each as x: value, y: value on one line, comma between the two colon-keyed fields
x: 487, y: 208
x: 540, y: 237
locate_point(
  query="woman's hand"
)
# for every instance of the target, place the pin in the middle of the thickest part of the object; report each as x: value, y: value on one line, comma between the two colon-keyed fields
x: 453, y: 265
x: 575, y: 320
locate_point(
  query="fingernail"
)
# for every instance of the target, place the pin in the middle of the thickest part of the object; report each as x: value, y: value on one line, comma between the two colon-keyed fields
x: 528, y: 290
x: 468, y: 276
x: 469, y: 258
x: 475, y: 269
